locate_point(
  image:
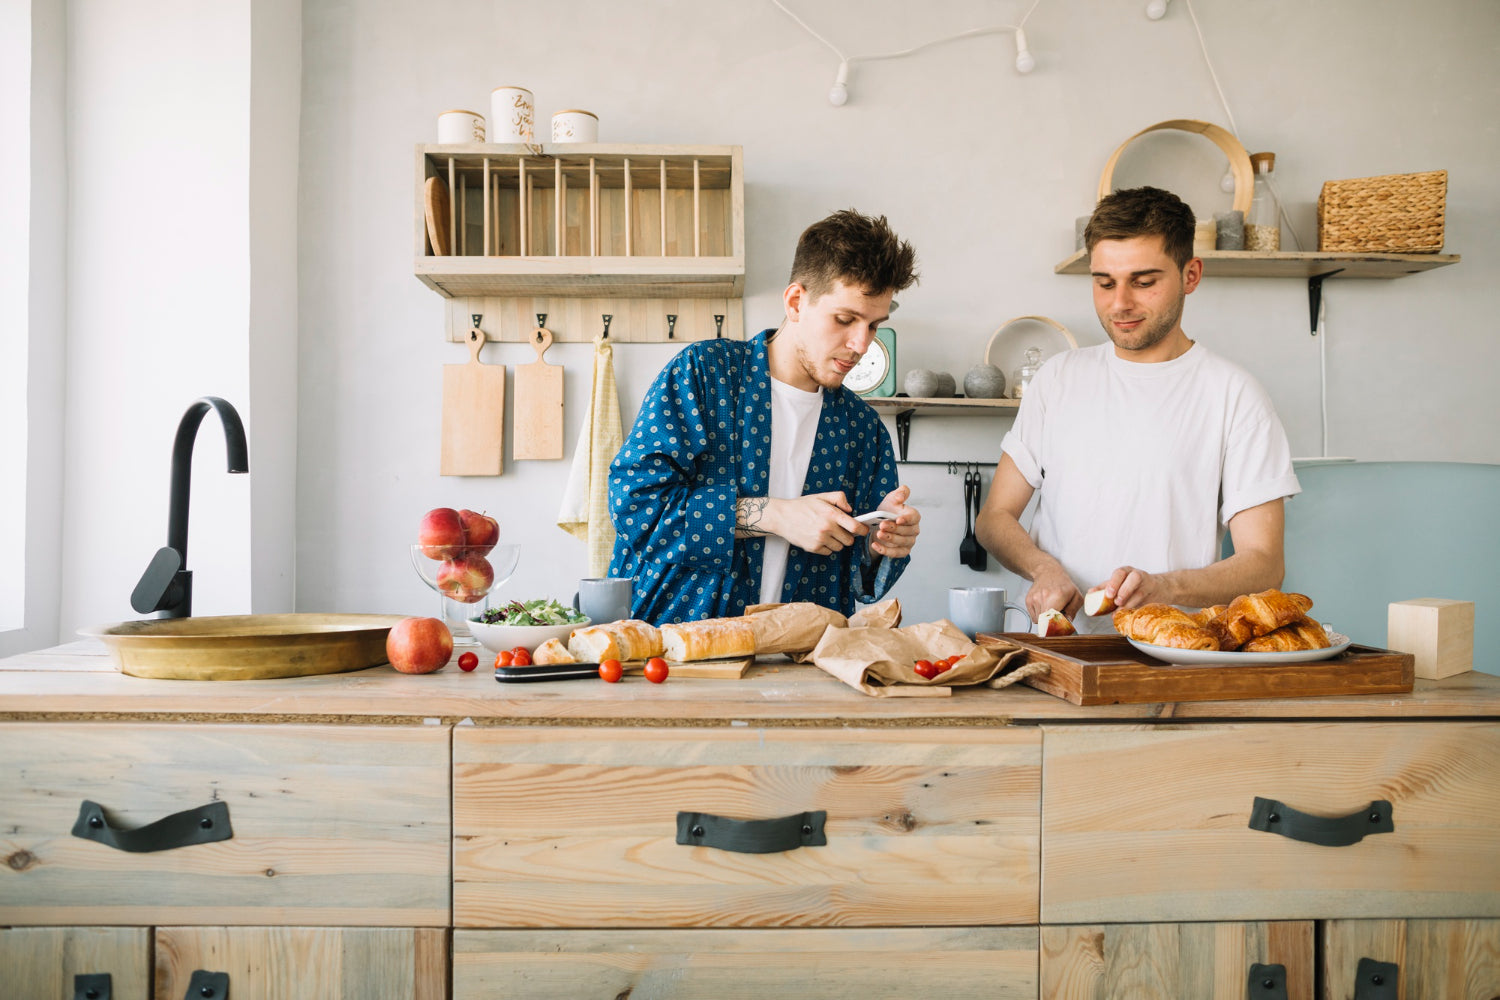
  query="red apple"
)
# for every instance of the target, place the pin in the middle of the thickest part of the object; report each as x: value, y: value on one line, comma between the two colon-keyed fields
x: 466, y: 579
x: 1096, y: 603
x: 1054, y: 622
x: 419, y: 645
x: 441, y: 534
x: 481, y: 532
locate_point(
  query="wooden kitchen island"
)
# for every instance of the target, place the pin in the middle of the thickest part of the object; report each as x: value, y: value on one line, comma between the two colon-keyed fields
x: 378, y: 835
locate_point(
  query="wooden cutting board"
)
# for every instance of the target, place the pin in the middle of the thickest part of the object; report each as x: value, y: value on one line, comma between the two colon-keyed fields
x: 732, y: 669
x: 538, y: 412
x: 438, y: 208
x: 1107, y: 670
x: 473, y: 415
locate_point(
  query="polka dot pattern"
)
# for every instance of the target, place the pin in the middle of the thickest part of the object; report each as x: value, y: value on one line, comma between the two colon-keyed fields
x: 702, y: 440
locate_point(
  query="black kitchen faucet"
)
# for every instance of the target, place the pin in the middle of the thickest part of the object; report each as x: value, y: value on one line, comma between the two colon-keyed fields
x: 167, y: 584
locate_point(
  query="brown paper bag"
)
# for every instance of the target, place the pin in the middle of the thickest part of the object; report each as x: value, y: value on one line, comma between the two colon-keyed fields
x: 881, y: 614
x: 792, y: 629
x: 880, y: 661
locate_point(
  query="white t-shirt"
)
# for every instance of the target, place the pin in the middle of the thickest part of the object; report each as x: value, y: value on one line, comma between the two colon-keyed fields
x: 1144, y: 464
x: 794, y: 426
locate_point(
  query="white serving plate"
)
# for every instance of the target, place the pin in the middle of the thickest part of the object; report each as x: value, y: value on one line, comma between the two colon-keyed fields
x: 1214, y: 657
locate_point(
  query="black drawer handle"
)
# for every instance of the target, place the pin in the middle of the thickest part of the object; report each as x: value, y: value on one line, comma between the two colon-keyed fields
x: 753, y: 836
x: 92, y: 986
x: 1270, y: 816
x: 1267, y: 982
x: 1376, y: 980
x: 203, y: 825
x: 207, y: 986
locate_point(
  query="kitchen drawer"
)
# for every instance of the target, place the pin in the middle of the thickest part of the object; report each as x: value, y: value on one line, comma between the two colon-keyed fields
x: 1176, y: 961
x: 1154, y: 823
x: 1446, y: 959
x: 824, y: 964
x: 42, y: 963
x: 331, y: 824
x: 579, y: 827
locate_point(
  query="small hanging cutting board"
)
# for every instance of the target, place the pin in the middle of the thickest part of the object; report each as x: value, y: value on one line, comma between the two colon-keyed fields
x: 538, y: 412
x: 473, y: 415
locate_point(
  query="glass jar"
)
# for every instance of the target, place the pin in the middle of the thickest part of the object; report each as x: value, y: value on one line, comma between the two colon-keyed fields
x: 1022, y: 376
x: 1263, y: 224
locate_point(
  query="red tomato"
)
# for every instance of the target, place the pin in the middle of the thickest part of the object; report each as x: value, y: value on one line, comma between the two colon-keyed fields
x: 611, y: 671
x: 925, y: 668
x: 942, y: 667
x: 503, y: 659
x: 519, y: 657
x: 656, y: 670
x: 468, y: 661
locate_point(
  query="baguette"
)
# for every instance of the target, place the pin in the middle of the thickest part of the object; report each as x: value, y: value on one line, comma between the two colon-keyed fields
x: 710, y: 639
x: 630, y: 639
x: 552, y: 652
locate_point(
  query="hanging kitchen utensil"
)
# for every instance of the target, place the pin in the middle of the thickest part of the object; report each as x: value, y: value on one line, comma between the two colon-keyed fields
x: 981, y: 559
x: 538, y: 410
x: 969, y: 549
x: 473, y: 414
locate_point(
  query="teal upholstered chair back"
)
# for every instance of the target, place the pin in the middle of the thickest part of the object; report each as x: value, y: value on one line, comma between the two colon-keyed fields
x: 1363, y: 535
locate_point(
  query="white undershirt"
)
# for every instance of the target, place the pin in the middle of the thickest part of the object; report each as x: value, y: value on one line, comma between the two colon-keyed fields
x: 794, y: 425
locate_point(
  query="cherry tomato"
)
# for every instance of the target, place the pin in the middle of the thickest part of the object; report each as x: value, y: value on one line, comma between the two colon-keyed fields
x: 468, y: 661
x: 656, y: 670
x: 926, y: 668
x: 941, y: 667
x: 611, y: 671
x: 519, y: 657
x: 504, y: 659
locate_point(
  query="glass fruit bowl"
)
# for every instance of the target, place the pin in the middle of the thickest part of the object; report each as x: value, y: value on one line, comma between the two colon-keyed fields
x: 464, y: 576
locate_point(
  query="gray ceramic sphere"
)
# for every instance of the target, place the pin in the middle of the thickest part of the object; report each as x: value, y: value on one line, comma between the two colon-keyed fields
x: 946, y: 385
x: 984, y: 382
x: 920, y: 383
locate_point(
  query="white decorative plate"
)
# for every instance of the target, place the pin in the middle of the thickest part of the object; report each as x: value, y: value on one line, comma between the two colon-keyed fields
x: 1191, y: 657
x: 1007, y: 347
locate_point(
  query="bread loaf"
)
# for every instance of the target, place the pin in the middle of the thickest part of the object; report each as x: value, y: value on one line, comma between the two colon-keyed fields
x: 630, y: 639
x: 552, y: 652
x: 710, y: 639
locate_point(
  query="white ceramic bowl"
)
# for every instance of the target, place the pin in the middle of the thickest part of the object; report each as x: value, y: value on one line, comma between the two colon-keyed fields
x: 498, y: 638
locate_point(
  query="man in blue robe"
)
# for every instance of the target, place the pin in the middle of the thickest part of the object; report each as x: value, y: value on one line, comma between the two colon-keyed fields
x: 749, y: 461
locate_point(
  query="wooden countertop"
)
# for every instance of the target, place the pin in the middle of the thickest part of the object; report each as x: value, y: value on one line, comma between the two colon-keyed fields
x: 79, y: 680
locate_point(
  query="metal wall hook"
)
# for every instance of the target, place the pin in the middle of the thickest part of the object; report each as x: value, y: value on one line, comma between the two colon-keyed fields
x: 541, y: 319
x: 718, y: 326
x: 476, y: 317
x: 607, y: 318
x: 671, y: 325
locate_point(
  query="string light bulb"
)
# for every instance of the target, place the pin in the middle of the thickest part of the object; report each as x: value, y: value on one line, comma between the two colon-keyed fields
x: 838, y: 94
x: 1024, y: 62
x: 1157, y: 9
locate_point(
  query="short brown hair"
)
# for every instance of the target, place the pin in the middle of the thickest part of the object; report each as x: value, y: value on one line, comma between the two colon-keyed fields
x: 855, y: 249
x: 1144, y: 211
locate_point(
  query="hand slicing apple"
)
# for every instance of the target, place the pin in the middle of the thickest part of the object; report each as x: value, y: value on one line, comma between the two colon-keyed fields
x: 1053, y: 622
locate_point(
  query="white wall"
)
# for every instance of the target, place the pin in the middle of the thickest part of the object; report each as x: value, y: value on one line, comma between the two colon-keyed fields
x: 982, y: 169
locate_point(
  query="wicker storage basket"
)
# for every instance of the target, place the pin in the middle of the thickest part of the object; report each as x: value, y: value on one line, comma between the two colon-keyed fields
x: 1397, y: 213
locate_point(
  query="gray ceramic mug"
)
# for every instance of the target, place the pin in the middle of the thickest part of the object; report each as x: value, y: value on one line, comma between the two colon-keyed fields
x: 981, y: 609
x: 605, y: 599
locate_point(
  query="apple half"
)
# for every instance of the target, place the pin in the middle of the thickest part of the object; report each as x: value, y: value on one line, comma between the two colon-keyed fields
x: 1097, y: 602
x: 1053, y: 622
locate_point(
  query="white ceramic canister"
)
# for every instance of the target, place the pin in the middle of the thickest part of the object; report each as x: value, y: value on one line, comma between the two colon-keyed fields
x: 460, y: 126
x: 575, y: 126
x: 512, y: 113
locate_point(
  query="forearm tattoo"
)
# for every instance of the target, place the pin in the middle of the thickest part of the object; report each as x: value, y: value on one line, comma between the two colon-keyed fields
x: 748, y: 512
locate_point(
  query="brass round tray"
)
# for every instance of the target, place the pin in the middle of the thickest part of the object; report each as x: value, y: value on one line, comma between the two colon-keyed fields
x: 246, y: 647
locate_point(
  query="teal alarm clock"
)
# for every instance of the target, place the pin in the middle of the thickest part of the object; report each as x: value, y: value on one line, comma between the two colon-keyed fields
x: 875, y: 375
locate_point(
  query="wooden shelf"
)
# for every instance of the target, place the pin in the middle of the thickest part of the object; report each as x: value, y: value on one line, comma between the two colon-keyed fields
x: 1257, y: 264
x: 949, y: 406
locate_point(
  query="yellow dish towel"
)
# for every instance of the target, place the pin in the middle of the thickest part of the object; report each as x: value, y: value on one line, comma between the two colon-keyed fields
x: 585, y: 508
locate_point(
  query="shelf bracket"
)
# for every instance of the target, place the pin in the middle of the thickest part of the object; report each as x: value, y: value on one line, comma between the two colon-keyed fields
x: 903, y: 432
x: 1315, y: 295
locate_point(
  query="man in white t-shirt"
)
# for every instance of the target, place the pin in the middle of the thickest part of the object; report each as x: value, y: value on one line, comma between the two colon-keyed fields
x: 1142, y: 450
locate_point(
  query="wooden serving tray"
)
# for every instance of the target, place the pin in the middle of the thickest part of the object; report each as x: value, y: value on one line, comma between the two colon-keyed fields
x: 1107, y: 670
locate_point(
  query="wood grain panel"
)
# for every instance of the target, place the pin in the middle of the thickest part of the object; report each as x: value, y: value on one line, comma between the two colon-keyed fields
x: 1451, y: 959
x: 1171, y: 961
x: 307, y: 963
x: 39, y: 963
x: 577, y: 828
x: 1152, y: 824
x: 332, y: 824
x: 887, y: 964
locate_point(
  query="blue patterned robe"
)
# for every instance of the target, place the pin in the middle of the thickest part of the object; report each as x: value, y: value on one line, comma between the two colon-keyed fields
x: 701, y: 441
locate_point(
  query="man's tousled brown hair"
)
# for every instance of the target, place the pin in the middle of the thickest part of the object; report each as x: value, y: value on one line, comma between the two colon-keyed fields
x: 859, y: 250
x: 1144, y: 211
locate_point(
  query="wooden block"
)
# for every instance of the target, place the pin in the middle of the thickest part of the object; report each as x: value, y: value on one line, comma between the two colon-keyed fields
x: 1437, y: 631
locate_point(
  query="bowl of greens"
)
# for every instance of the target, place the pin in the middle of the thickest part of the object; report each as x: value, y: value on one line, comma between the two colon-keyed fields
x: 525, y: 623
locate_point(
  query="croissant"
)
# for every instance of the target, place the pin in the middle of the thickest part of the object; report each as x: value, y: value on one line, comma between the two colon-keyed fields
x: 1304, y: 633
x: 1165, y: 625
x: 1206, y: 615
x: 1252, y: 615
